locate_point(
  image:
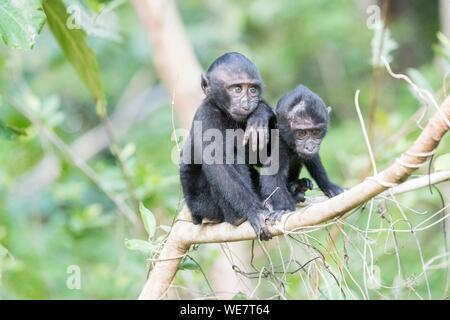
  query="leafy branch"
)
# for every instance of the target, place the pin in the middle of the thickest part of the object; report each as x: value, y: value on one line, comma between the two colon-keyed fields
x: 73, y: 44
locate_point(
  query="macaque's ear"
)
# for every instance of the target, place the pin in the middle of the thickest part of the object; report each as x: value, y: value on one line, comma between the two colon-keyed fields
x: 205, y: 84
x: 329, y: 109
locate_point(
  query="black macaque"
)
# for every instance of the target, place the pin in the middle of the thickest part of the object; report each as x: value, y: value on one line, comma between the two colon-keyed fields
x: 302, y: 120
x: 227, y: 191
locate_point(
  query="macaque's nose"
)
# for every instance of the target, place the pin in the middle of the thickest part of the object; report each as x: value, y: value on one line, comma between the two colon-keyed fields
x: 245, y: 105
x: 310, y: 147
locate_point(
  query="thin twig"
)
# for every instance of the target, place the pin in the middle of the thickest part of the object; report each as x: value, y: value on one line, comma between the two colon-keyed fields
x: 83, y: 166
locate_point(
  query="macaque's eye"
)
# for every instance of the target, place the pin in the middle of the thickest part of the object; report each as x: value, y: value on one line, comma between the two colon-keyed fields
x: 300, y: 134
x: 253, y: 90
x: 237, y: 89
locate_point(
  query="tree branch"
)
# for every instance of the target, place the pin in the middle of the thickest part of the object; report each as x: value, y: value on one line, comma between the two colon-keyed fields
x: 184, y: 233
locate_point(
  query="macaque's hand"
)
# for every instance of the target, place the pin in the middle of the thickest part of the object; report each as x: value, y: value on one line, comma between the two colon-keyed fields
x: 256, y: 133
x: 298, y: 188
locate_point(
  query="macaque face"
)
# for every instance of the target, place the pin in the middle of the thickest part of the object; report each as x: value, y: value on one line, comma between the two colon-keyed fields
x: 238, y: 94
x: 308, y: 138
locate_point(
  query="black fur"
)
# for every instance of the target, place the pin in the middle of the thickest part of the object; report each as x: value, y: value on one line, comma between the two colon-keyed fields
x: 226, y: 192
x: 298, y: 108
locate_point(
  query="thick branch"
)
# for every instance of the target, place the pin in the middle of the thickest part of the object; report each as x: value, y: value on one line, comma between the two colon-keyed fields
x: 334, y: 207
x: 184, y: 233
x: 165, y: 269
x: 407, y: 186
x: 421, y: 182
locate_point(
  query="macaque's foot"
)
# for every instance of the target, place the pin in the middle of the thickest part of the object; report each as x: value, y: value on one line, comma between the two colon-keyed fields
x: 333, y: 190
x: 275, y: 216
x: 196, y: 219
x: 258, y: 222
x: 280, y: 201
x: 299, y: 197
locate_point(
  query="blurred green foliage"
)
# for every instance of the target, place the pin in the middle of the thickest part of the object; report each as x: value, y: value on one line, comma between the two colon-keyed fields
x: 322, y: 44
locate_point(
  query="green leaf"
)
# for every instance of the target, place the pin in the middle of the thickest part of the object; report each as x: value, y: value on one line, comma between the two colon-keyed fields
x: 188, y: 264
x: 442, y: 163
x: 20, y: 22
x: 73, y: 44
x: 149, y: 220
x: 9, y: 132
x: 94, y: 5
x: 144, y: 247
